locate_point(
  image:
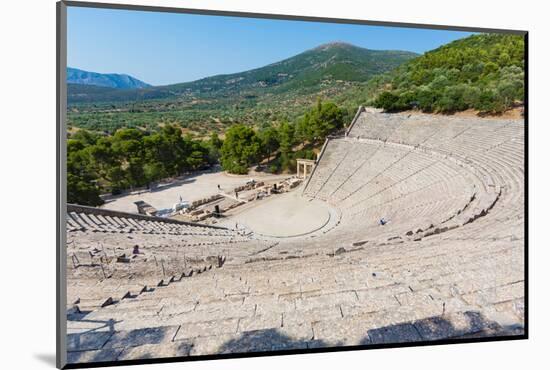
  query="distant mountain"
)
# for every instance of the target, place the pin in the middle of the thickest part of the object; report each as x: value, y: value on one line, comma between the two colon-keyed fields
x: 308, y: 72
x: 324, y: 64
x: 274, y: 93
x: 77, y: 93
x: 112, y: 80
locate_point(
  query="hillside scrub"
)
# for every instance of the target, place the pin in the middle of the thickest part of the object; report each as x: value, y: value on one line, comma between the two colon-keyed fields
x: 484, y: 72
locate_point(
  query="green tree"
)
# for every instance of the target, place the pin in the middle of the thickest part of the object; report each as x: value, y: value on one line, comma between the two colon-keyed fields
x: 452, y: 99
x: 240, y: 149
x: 81, y: 179
x: 426, y: 98
x: 153, y: 171
x: 387, y: 101
x: 286, y: 143
x: 269, y: 138
x: 81, y: 191
x: 327, y: 118
x: 482, y: 71
x: 319, y: 122
x: 213, y: 146
x: 488, y: 102
x: 304, y: 129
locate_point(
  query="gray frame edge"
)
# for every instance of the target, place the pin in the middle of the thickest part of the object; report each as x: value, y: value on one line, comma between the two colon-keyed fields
x: 61, y: 196
x: 165, y: 9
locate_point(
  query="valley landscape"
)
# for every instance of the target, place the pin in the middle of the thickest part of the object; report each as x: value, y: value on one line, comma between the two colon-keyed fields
x: 483, y: 73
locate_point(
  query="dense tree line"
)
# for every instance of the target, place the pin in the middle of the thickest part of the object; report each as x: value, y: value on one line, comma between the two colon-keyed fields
x: 131, y: 158
x: 280, y: 145
x: 484, y: 72
x: 240, y: 149
x: 319, y: 122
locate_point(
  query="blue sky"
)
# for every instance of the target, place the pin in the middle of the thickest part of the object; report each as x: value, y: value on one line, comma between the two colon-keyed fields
x: 165, y: 48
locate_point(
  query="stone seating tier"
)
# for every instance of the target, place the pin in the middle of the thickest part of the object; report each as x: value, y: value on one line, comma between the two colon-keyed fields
x: 448, y: 264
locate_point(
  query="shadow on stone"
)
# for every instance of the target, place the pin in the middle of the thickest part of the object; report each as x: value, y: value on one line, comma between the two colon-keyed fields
x: 111, y: 345
x: 87, y: 346
x: 470, y: 324
x: 92, y: 339
x: 400, y: 333
x: 263, y: 341
x: 148, y: 343
x: 138, y: 337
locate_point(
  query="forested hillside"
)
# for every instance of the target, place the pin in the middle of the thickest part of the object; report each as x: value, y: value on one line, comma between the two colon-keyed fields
x: 270, y: 94
x: 484, y: 72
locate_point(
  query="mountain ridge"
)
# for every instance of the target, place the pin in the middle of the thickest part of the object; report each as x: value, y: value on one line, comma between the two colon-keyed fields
x: 324, y: 64
x: 113, y: 80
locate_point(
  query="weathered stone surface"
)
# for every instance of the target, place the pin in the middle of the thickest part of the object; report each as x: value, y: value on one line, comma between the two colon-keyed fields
x: 87, y: 341
x: 93, y: 356
x: 207, y: 328
x: 325, y: 300
x: 138, y: 337
x: 340, y: 251
x: 260, y: 322
x: 261, y: 341
x: 497, y: 294
x: 454, y: 325
x: 398, y: 333
x: 343, y: 331
x: 177, y: 349
x: 270, y: 305
x: 516, y: 307
x: 210, y: 345
x: 177, y: 308
x: 448, y: 264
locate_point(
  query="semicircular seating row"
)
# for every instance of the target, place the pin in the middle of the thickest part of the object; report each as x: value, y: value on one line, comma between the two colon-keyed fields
x: 360, y: 283
x: 111, y: 255
x: 419, y: 171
